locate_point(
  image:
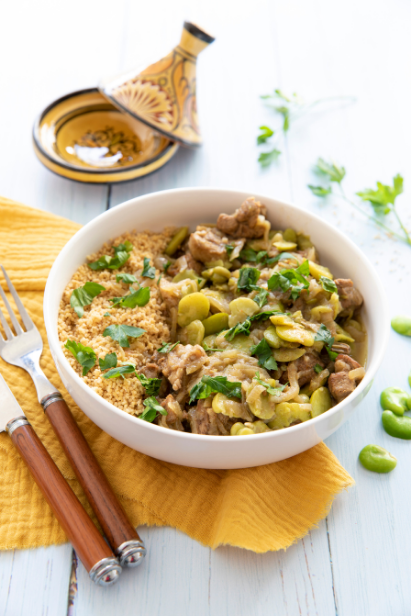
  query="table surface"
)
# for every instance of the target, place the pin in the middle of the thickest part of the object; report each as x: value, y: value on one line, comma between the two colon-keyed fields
x: 355, y: 562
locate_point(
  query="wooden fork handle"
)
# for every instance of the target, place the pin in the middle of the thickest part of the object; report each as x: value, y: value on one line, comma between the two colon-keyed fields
x: 119, y: 531
x: 80, y: 530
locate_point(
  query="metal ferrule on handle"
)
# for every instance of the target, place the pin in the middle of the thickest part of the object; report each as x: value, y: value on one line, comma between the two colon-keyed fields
x: 106, y: 572
x: 16, y: 423
x: 131, y: 553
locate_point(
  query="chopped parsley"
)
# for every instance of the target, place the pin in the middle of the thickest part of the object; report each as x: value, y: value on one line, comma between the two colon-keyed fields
x: 261, y: 298
x: 126, y: 278
x: 121, y: 333
x: 273, y: 391
x: 110, y: 361
x: 247, y: 280
x: 167, y: 265
x: 263, y: 351
x: 151, y: 410
x: 318, y: 368
x: 166, y: 347
x: 229, y: 248
x: 152, y: 386
x: 244, y: 327
x: 83, y: 296
x: 107, y: 314
x: 85, y: 355
x: 121, y: 255
x: 208, y: 349
x: 324, y: 335
x: 293, y: 280
x: 148, y: 270
x: 120, y: 371
x: 328, y: 285
x: 215, y: 384
x: 138, y: 298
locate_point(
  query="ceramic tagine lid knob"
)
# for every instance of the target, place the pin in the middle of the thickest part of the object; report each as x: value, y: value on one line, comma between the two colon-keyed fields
x: 164, y: 94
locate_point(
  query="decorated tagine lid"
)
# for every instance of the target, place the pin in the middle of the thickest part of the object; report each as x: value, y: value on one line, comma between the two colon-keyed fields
x: 163, y: 96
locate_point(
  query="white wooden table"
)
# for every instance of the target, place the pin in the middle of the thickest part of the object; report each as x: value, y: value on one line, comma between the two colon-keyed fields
x: 357, y: 561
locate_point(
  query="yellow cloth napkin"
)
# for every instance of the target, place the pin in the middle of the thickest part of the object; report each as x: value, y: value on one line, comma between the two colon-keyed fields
x: 261, y: 509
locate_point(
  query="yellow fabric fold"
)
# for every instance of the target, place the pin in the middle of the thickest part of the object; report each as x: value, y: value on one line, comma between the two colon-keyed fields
x: 260, y: 509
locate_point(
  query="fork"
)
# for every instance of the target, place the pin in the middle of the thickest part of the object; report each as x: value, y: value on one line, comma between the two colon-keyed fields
x: 24, y: 349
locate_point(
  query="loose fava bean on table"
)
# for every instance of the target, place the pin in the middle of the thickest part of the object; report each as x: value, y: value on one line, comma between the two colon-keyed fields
x: 397, y: 426
x: 377, y: 459
x: 396, y: 400
x: 402, y: 325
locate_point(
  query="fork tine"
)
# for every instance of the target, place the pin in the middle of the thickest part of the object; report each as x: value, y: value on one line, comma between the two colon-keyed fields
x: 28, y: 323
x: 16, y: 324
x: 9, y: 333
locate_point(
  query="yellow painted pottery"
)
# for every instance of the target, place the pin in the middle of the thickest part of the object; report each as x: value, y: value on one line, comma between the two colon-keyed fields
x: 84, y: 137
x: 163, y: 95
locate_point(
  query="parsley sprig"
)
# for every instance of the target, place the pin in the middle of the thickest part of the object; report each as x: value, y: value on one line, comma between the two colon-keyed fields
x: 289, y: 107
x: 148, y: 270
x: 85, y: 355
x: 152, y: 407
x: 215, y: 384
x: 263, y: 351
x: 121, y: 255
x: 83, y: 296
x: 245, y: 326
x: 293, y: 280
x: 166, y: 347
x: 324, y: 335
x: 382, y: 200
x: 273, y: 391
x: 138, y: 298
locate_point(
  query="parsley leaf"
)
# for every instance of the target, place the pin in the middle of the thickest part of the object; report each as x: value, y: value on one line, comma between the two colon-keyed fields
x: 85, y: 355
x: 120, y: 371
x: 384, y: 196
x: 110, y: 361
x: 167, y: 265
x: 215, y: 384
x: 83, y: 296
x: 261, y: 298
x: 265, y: 355
x: 249, y: 255
x: 229, y: 248
x: 273, y: 391
x: 292, y: 280
x: 267, y: 158
x: 122, y: 254
x: 333, y: 172
x: 152, y: 386
x: 324, y: 335
x: 281, y: 257
x: 318, y: 368
x: 265, y: 314
x: 106, y: 314
x: 138, y: 298
x: 148, y: 271
x: 120, y: 333
x: 266, y: 133
x: 247, y: 280
x: 320, y: 191
x: 166, y: 347
x: 240, y: 328
x: 151, y: 410
x: 328, y: 284
x: 126, y: 278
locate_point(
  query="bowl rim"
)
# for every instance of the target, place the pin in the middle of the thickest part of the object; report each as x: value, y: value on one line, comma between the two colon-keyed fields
x: 55, y: 345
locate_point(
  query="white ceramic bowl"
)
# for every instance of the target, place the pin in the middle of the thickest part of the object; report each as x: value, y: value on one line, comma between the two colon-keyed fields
x: 192, y: 206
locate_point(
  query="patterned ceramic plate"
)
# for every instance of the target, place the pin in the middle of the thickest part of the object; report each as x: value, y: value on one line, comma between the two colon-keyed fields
x: 83, y: 137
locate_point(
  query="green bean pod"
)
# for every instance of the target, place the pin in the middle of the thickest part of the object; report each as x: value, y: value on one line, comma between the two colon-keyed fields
x: 399, y: 427
x: 377, y: 459
x: 396, y: 400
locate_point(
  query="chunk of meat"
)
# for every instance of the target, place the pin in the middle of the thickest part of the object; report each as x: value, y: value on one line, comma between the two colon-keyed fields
x: 248, y: 221
x: 181, y: 362
x: 305, y: 368
x: 203, y: 420
x: 150, y: 370
x: 350, y: 297
x: 339, y: 383
x: 175, y: 415
x: 207, y: 244
x: 341, y: 348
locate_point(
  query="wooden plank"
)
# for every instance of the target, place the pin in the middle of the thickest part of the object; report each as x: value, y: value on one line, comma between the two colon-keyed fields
x: 173, y: 579
x: 297, y: 581
x: 35, y: 581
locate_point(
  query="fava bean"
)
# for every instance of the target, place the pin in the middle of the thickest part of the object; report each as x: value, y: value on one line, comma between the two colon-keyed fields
x: 176, y: 241
x: 400, y: 427
x: 216, y: 323
x: 192, y: 334
x: 395, y: 400
x: 377, y: 459
x: 290, y: 235
x: 192, y: 307
x: 320, y: 401
x: 402, y: 325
